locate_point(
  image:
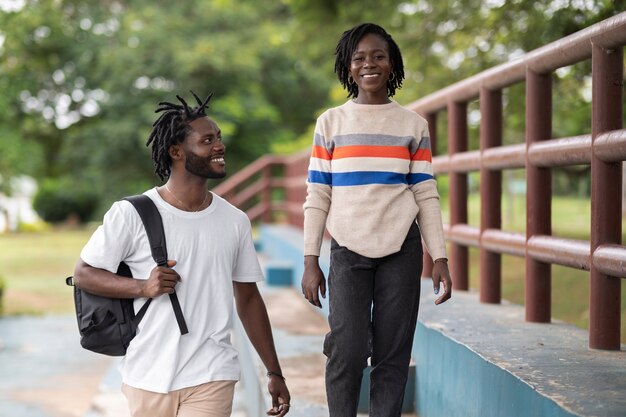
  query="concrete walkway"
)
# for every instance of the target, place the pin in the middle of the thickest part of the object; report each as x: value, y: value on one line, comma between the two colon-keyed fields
x: 43, y: 370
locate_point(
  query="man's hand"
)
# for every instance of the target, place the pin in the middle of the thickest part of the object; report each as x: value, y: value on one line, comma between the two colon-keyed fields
x: 313, y: 281
x: 442, y: 274
x: 162, y: 280
x: 280, y: 396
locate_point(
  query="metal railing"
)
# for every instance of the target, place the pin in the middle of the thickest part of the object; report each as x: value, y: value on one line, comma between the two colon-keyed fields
x: 272, y: 188
x: 604, y: 150
x: 254, y: 188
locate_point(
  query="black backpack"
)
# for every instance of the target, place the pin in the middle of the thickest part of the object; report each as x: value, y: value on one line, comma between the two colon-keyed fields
x: 107, y: 325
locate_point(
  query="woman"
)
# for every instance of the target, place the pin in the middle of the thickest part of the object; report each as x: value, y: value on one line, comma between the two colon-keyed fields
x: 370, y: 179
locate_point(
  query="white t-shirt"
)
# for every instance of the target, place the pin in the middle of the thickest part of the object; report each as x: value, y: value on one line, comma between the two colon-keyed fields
x: 213, y: 248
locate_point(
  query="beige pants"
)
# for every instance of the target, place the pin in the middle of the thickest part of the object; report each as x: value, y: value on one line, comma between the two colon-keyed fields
x: 213, y: 399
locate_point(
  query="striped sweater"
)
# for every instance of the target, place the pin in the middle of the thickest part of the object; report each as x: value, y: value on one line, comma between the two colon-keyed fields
x: 370, y: 176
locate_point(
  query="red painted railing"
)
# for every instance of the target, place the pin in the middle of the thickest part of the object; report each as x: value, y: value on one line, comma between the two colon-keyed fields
x: 605, y: 149
x: 272, y: 188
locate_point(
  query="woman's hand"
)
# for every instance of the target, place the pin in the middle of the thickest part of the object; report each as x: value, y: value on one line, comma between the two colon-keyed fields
x: 313, y: 281
x: 442, y: 274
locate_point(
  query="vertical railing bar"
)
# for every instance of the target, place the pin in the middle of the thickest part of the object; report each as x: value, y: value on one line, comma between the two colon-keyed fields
x: 490, y: 195
x: 606, y: 186
x: 538, y: 195
x: 431, y: 118
x: 266, y: 194
x: 459, y: 254
x: 298, y: 167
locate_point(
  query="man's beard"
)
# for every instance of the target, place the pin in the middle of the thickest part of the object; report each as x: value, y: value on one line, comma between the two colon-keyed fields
x: 202, y: 167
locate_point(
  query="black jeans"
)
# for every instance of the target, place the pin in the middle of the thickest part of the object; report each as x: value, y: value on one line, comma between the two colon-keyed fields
x: 373, y: 311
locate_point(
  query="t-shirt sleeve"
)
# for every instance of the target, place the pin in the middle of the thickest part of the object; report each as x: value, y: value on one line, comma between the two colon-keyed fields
x: 111, y: 243
x: 247, y: 268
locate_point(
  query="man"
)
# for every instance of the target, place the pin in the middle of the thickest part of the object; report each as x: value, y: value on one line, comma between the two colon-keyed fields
x: 212, y: 259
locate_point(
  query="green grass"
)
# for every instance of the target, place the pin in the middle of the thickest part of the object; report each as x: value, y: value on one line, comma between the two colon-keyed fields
x: 571, y: 216
x: 35, y: 265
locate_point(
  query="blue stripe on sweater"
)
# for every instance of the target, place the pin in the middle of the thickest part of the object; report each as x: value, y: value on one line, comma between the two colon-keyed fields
x: 346, y: 179
x: 320, y: 177
x: 413, y: 179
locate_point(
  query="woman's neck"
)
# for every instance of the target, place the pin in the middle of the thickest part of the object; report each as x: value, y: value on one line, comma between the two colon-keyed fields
x: 364, y: 98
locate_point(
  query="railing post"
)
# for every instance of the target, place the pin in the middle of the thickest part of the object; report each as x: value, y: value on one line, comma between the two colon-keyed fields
x: 427, y: 263
x: 538, y: 195
x: 606, y: 188
x: 296, y: 170
x: 459, y: 254
x: 490, y: 195
x: 266, y: 194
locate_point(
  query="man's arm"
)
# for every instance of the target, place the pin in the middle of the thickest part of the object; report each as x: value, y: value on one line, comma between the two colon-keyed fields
x: 98, y: 281
x: 253, y: 314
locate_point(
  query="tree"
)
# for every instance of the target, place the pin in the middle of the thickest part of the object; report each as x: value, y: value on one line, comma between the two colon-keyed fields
x: 85, y: 78
x: 80, y: 80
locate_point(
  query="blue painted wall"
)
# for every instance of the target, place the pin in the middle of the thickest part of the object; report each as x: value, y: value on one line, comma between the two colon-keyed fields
x: 284, y: 244
x: 454, y: 381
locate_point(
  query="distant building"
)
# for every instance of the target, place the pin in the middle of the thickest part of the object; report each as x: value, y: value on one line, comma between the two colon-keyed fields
x: 18, y: 207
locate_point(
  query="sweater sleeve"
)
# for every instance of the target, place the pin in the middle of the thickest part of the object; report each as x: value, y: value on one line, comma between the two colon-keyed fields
x: 319, y: 192
x: 429, y: 219
x: 424, y: 188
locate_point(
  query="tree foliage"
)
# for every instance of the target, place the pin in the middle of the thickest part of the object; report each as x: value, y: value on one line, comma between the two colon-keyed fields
x: 80, y: 80
x: 83, y: 79
x: 59, y: 200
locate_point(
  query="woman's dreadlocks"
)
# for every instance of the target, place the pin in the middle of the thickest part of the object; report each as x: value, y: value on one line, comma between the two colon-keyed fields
x: 346, y: 47
x: 172, y: 128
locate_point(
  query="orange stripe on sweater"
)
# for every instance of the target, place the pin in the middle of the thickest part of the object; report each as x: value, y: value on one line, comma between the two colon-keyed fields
x: 400, y: 152
x: 321, y: 153
x: 423, y: 155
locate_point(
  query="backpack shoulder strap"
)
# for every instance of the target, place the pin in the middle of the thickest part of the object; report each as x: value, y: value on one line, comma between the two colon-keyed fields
x: 153, y: 223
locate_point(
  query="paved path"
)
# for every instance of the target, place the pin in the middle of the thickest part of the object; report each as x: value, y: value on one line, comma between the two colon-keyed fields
x: 45, y: 373
x: 43, y: 370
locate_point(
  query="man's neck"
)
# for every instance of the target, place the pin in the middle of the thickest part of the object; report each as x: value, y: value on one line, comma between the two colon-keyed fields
x: 188, y: 195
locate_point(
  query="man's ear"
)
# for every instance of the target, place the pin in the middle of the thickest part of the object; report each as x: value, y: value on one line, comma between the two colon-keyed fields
x: 175, y: 152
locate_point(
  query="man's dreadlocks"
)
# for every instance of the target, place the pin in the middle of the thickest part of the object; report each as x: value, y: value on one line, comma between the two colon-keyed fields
x: 171, y: 128
x: 346, y: 47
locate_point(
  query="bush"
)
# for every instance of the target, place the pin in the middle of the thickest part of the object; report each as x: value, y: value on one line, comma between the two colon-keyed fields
x: 36, y: 227
x: 58, y: 200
